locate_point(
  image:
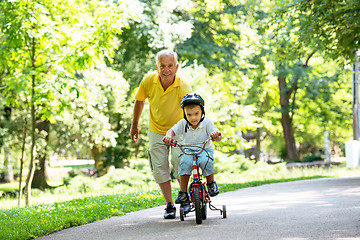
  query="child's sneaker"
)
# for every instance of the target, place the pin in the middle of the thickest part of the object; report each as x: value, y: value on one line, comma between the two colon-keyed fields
x: 186, y: 207
x: 170, y: 211
x: 212, y: 188
x: 182, y: 198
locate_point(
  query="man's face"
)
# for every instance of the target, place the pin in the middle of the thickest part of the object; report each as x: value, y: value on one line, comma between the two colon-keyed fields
x: 167, y: 68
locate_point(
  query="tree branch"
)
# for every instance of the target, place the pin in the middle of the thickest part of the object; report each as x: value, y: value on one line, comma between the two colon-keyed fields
x: 308, y: 58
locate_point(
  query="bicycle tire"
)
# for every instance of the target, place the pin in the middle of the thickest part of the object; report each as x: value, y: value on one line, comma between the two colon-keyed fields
x: 224, y: 211
x: 197, y: 201
x: 182, y: 214
x: 204, y: 212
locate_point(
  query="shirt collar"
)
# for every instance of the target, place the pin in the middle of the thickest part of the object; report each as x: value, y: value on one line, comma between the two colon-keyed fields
x: 201, y: 125
x: 176, y: 83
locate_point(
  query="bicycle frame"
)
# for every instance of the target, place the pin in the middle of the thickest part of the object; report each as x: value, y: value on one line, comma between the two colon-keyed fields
x: 197, y: 189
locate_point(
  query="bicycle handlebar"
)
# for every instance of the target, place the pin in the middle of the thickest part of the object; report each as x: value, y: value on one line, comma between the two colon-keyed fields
x: 181, y: 146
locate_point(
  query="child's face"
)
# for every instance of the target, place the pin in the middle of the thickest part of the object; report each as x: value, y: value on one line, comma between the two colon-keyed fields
x: 193, y: 114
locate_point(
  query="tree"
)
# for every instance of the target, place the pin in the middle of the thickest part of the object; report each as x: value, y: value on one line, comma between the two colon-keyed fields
x: 89, y: 121
x: 46, y: 40
x: 333, y: 25
x: 301, y: 30
x: 291, y: 59
x: 220, y: 43
x: 216, y: 36
x: 156, y: 25
x: 325, y: 106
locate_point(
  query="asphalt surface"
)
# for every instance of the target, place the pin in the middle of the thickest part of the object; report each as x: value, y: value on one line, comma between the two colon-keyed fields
x: 327, y: 208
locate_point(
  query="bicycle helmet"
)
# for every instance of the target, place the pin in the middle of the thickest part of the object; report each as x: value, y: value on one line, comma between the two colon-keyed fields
x: 193, y: 98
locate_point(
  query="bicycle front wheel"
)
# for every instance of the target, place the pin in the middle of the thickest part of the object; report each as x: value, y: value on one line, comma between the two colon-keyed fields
x: 198, y: 204
x: 204, y: 211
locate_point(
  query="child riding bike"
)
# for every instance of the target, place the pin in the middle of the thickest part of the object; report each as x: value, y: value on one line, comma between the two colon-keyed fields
x: 194, y: 128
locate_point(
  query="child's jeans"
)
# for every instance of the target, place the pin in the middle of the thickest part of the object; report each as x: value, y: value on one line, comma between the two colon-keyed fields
x: 204, y: 161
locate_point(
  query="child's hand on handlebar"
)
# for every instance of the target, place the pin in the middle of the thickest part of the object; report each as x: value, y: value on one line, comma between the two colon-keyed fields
x: 167, y: 140
x: 215, y: 136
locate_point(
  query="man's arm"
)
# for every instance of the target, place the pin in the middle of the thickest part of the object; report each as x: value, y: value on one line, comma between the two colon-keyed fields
x: 138, y: 108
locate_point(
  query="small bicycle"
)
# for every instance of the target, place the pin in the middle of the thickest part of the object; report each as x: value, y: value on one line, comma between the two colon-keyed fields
x: 199, y: 195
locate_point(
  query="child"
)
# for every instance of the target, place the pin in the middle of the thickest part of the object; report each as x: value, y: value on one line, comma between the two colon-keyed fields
x: 195, y: 128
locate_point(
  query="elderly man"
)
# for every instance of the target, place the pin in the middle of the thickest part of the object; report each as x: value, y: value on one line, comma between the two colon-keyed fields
x: 164, y: 90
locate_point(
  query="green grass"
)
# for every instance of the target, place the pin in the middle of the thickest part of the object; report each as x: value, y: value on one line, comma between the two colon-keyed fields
x: 42, y: 219
x: 86, y: 199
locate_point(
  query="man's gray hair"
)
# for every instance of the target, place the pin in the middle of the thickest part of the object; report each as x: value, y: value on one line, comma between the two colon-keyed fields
x: 166, y: 52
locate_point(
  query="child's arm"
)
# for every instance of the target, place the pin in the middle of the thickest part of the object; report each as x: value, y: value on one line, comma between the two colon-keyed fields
x: 216, y: 136
x: 169, y: 136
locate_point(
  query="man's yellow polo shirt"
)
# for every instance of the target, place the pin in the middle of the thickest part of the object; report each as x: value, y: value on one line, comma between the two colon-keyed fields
x: 165, y: 108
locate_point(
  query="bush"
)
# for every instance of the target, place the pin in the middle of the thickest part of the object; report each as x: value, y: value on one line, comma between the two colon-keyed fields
x: 312, y: 158
x: 309, y: 158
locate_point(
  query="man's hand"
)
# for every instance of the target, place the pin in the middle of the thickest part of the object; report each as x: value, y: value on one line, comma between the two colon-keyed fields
x: 134, y: 133
x: 216, y: 136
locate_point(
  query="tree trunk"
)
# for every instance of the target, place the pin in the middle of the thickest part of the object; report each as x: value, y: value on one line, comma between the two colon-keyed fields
x: 289, y: 136
x: 257, y: 148
x: 40, y: 176
x: 33, y: 140
x: 286, y: 121
x: 22, y: 162
x: 32, y: 152
x: 39, y: 179
x: 97, y: 153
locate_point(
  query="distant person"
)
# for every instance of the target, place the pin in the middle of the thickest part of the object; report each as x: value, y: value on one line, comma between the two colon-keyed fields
x: 164, y: 89
x: 195, y: 128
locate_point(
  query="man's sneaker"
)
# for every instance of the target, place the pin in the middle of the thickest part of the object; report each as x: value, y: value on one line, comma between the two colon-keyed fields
x: 170, y: 211
x: 182, y: 198
x: 212, y: 188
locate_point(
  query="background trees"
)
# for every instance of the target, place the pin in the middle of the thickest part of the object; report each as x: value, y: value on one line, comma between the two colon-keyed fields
x: 327, y: 28
x: 45, y: 44
x: 272, y: 71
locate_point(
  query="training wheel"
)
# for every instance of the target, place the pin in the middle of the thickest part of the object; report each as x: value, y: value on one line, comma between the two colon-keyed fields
x: 182, y: 214
x: 224, y: 211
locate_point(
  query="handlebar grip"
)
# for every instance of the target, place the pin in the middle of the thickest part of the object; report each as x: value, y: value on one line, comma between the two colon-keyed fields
x: 173, y: 143
x: 212, y: 139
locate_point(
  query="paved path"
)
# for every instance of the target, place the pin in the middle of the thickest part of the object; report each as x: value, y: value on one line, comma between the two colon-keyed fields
x: 312, y: 209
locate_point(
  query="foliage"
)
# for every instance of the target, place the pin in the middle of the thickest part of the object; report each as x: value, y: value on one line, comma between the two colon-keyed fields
x: 156, y: 25
x: 332, y: 25
x: 222, y: 104
x: 325, y: 83
x: 90, y: 118
x: 231, y: 51
x: 64, y: 43
x: 287, y: 52
x: 45, y: 44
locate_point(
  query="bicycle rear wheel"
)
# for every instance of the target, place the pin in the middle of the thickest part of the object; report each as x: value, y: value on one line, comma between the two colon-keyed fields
x: 197, y: 201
